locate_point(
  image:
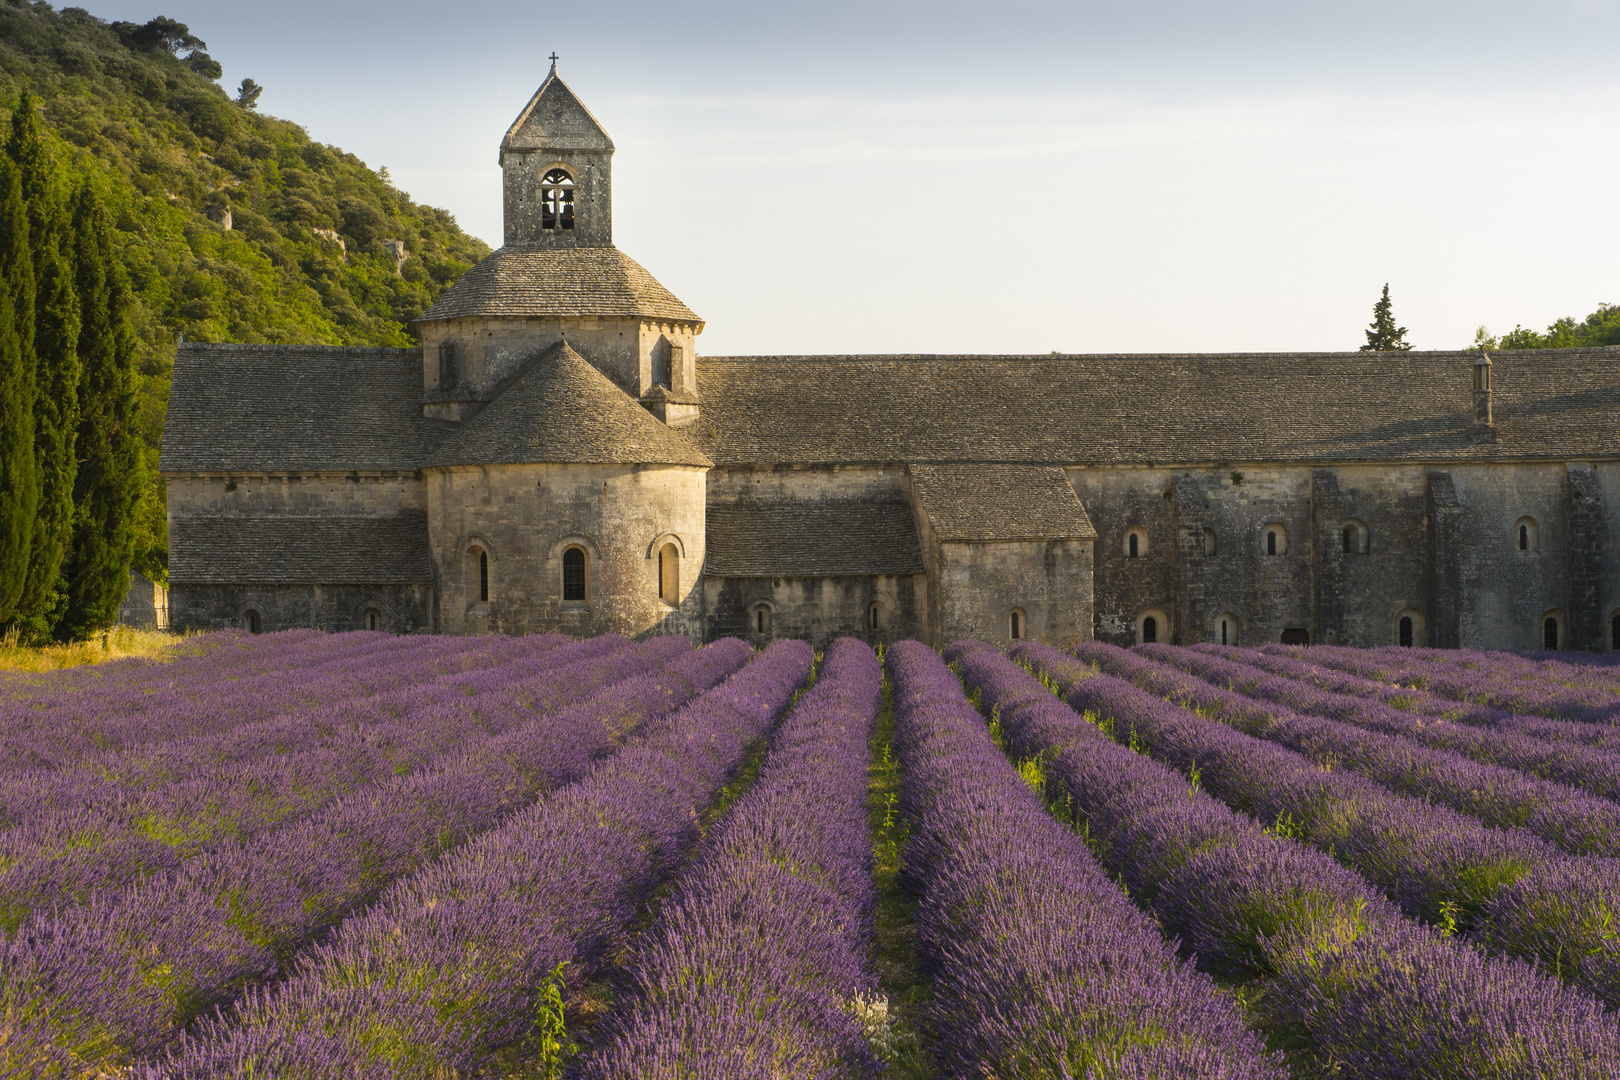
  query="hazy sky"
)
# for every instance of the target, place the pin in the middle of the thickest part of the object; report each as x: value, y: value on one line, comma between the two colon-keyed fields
x: 1014, y: 176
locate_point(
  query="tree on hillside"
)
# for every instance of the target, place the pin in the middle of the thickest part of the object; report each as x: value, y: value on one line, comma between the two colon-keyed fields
x: 247, y: 95
x: 19, y: 483
x: 160, y: 34
x: 1383, y: 335
x: 56, y: 373
x: 111, y: 476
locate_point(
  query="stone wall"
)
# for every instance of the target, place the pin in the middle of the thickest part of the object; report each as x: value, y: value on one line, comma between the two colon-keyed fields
x: 353, y: 494
x: 404, y: 609
x: 592, y: 171
x: 979, y: 586
x: 626, y: 350
x: 817, y: 609
x: 525, y: 516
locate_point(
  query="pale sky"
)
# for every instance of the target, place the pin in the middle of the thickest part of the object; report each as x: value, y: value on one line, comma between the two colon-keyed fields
x: 1016, y: 176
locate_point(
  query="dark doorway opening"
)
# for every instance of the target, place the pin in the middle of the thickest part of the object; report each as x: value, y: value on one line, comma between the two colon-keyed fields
x: 1549, y: 635
x: 1406, y: 631
x: 1296, y: 635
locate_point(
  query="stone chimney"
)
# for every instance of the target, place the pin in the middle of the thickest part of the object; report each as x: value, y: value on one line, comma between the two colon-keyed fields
x: 1484, y: 426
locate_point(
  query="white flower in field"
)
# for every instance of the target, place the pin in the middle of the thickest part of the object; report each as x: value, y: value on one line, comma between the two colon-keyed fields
x: 873, y: 1015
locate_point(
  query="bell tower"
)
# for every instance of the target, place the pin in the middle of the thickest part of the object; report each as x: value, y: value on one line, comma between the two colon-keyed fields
x: 556, y: 164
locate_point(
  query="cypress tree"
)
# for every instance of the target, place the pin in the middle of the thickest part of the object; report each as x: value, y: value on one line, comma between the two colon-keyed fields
x: 111, y: 469
x: 1383, y: 335
x: 19, y: 481
x: 56, y: 358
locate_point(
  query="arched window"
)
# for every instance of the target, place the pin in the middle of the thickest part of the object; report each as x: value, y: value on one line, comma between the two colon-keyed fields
x: 573, y: 574
x: 557, y: 200
x: 1228, y: 628
x: 1210, y: 548
x: 1136, y: 543
x: 449, y: 367
x: 1275, y: 539
x: 1405, y: 631
x: 250, y: 620
x: 1526, y: 536
x: 1355, y: 537
x: 373, y: 619
x: 1150, y: 629
x: 1549, y: 633
x: 669, y: 574
x: 1131, y: 545
x: 1019, y: 629
x: 874, y: 616
x: 483, y: 577
x: 762, y: 620
x: 1152, y: 626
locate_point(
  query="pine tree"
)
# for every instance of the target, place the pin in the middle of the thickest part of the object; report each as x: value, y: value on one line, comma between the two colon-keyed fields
x: 111, y: 475
x: 56, y: 358
x: 19, y: 481
x: 1383, y: 335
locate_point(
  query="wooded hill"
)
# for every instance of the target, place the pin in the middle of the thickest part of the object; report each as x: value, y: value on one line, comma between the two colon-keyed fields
x: 231, y: 225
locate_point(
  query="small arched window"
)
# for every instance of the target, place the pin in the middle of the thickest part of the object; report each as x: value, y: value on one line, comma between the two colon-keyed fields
x: 573, y: 568
x: 483, y: 577
x: 1275, y: 539
x: 1405, y: 632
x: 1150, y: 630
x: 1210, y: 547
x: 1136, y: 543
x: 1131, y: 546
x: 762, y: 620
x: 1271, y: 542
x: 1018, y: 627
x: 373, y: 619
x: 874, y: 616
x: 1549, y: 633
x: 669, y: 574
x: 1526, y: 536
x: 1228, y: 629
x: 557, y: 200
x: 250, y: 619
x: 1355, y: 537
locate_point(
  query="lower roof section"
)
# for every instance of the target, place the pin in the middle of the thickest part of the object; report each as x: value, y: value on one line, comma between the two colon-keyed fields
x: 1000, y: 502
x: 300, y: 550
x: 812, y: 538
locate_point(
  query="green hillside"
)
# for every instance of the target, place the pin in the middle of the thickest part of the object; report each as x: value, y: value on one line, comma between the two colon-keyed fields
x: 233, y: 226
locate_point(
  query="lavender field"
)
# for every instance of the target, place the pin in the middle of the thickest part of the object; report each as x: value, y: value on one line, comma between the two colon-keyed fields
x: 358, y: 855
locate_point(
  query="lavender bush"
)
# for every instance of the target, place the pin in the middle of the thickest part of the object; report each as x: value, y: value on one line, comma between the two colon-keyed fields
x: 754, y: 962
x: 1349, y: 983
x: 132, y: 966
x: 449, y: 963
x: 1041, y: 966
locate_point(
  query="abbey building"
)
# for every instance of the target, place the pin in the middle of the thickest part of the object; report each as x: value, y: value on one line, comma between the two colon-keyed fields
x: 557, y: 456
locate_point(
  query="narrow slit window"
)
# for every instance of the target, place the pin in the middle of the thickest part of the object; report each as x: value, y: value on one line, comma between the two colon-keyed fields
x: 574, y: 574
x: 1133, y: 546
x: 762, y: 620
x: 483, y: 577
x: 373, y: 619
x: 1349, y: 541
x: 1018, y: 623
x: 449, y: 367
x: 1271, y: 543
x: 1524, y: 538
x: 1406, y: 631
x: 669, y: 574
x: 1549, y: 634
x: 872, y: 621
x: 252, y: 620
x: 557, y: 200
x: 1226, y: 632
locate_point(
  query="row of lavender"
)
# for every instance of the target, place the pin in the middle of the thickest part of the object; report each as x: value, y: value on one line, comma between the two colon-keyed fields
x: 121, y: 973
x: 452, y: 963
x: 1506, y: 888
x: 1541, y: 686
x: 1351, y: 986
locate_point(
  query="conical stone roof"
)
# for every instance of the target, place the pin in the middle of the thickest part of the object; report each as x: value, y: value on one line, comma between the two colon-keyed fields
x: 562, y: 410
x: 537, y: 282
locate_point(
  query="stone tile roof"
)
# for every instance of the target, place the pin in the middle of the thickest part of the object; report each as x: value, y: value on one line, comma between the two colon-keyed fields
x: 1000, y: 502
x: 561, y: 409
x: 555, y: 118
x: 530, y: 281
x: 812, y: 538
x: 293, y: 408
x: 1181, y: 409
x: 300, y: 550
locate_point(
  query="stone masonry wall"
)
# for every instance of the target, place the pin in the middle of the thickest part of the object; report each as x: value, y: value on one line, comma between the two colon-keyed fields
x: 405, y: 609
x: 818, y: 609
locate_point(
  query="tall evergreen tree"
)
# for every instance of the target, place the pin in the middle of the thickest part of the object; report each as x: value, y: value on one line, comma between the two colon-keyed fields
x: 1383, y: 335
x: 111, y: 473
x: 56, y: 358
x: 19, y: 481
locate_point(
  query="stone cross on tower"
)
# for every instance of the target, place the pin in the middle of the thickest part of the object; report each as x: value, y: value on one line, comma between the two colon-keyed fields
x: 556, y: 163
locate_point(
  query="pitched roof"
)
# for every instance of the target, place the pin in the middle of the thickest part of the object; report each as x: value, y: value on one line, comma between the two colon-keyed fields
x: 525, y: 281
x: 831, y: 537
x: 1181, y: 409
x: 999, y: 502
x: 561, y: 409
x: 300, y: 550
x: 555, y: 119
x: 293, y: 408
